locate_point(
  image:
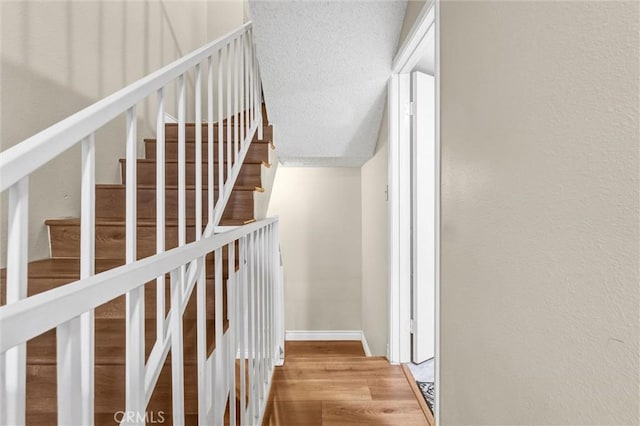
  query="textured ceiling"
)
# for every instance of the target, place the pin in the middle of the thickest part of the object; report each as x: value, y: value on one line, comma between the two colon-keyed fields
x: 325, y: 66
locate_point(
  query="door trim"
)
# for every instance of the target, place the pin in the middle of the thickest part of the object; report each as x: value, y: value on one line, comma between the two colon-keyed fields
x: 399, y: 347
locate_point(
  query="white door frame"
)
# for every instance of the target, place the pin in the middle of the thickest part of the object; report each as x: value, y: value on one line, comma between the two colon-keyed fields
x: 424, y: 30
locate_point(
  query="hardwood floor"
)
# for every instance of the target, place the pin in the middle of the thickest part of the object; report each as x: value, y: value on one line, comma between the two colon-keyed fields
x: 331, y: 383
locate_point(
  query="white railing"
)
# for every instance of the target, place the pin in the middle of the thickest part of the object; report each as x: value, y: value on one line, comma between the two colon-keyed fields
x: 253, y: 295
x: 253, y: 341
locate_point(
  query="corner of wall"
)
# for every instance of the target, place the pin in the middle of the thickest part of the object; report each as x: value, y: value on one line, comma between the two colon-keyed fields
x: 375, y: 244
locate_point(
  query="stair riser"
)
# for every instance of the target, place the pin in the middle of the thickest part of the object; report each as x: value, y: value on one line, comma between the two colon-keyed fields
x: 110, y: 203
x: 171, y: 132
x: 111, y: 239
x: 257, y: 153
x: 250, y: 174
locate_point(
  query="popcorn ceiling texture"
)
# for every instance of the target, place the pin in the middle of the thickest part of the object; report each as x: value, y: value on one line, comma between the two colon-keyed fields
x: 325, y: 67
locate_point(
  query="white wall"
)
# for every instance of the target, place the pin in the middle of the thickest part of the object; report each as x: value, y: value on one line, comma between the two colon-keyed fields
x: 320, y: 236
x: 60, y: 56
x: 375, y: 245
x: 540, y: 257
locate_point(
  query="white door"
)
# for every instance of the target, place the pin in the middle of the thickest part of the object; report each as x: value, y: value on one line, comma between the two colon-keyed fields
x: 423, y: 216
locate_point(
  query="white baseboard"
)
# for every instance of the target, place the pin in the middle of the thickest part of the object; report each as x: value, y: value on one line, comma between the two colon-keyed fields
x: 365, y: 345
x: 323, y: 335
x: 356, y: 335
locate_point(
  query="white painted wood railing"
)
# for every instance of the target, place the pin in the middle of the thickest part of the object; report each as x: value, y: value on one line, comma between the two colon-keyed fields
x: 254, y: 337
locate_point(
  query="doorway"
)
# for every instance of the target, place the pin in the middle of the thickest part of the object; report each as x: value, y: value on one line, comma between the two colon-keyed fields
x: 414, y: 180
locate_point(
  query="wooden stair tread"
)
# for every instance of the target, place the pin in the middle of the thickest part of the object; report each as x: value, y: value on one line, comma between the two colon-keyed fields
x: 215, y: 142
x: 256, y: 153
x: 175, y: 187
x: 145, y: 222
x: 171, y: 161
x: 204, y: 124
x: 64, y: 268
x: 204, y: 161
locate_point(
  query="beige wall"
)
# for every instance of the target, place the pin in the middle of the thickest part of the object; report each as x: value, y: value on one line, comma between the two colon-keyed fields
x: 320, y: 237
x: 413, y: 10
x: 59, y: 56
x: 224, y: 16
x: 375, y: 226
x: 539, y: 290
x: 375, y: 245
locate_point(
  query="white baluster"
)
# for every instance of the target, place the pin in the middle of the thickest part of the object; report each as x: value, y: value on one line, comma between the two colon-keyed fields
x: 134, y: 386
x: 13, y: 367
x: 231, y: 313
x: 260, y: 298
x: 182, y: 171
x: 250, y: 83
x: 265, y: 298
x: 242, y: 102
x: 160, y: 212
x: 259, y: 117
x: 236, y: 110
x: 87, y: 262
x: 201, y: 306
x: 250, y: 324
x: 220, y: 129
x: 247, y: 76
x: 274, y: 298
x: 218, y: 396
x: 201, y: 296
x: 177, y: 365
x: 279, y: 314
x: 269, y: 328
x: 254, y: 86
x: 68, y: 372
x: 242, y: 303
x: 210, y: 164
x: 256, y: 322
x: 198, y: 159
x: 229, y: 112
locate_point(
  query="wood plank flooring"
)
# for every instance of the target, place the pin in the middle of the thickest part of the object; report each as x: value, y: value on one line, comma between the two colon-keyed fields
x: 333, y: 383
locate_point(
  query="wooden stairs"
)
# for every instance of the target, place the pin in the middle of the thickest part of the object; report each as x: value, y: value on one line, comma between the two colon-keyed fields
x: 63, y: 267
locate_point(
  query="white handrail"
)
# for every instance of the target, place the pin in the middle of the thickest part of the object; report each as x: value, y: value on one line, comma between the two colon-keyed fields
x: 23, y: 159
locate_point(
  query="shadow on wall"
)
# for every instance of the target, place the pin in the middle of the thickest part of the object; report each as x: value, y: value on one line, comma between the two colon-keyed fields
x: 59, y: 57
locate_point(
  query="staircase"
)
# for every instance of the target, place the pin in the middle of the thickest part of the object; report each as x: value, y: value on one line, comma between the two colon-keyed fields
x: 64, y: 267
x: 163, y: 301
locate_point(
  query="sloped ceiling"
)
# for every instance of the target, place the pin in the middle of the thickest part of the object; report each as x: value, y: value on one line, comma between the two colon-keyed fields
x: 325, y: 66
